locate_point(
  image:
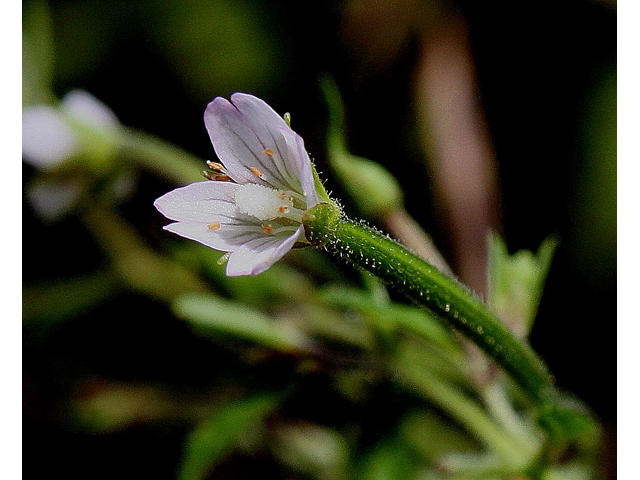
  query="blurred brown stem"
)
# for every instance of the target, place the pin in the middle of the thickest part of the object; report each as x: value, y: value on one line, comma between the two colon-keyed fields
x: 459, y: 151
x: 460, y: 157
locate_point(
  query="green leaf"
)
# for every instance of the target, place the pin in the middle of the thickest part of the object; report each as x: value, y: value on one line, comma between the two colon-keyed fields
x: 516, y: 282
x: 392, y: 317
x: 213, y: 315
x: 213, y: 438
x: 570, y: 421
x: 315, y: 450
x: 390, y: 459
x: 433, y: 437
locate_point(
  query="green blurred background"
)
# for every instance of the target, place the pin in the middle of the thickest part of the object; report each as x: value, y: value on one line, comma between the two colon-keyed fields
x: 546, y: 81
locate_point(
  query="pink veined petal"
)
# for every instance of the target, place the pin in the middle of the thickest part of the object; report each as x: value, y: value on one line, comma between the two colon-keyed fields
x: 199, y: 201
x: 249, y: 142
x: 307, y: 179
x: 226, y: 238
x: 258, y: 255
x: 270, y: 127
x: 295, y: 146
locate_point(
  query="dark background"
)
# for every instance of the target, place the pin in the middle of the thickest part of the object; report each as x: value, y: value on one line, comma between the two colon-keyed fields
x: 546, y: 78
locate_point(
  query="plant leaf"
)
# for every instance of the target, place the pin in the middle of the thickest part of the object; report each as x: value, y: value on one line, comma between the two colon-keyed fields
x: 214, y: 437
x: 211, y: 314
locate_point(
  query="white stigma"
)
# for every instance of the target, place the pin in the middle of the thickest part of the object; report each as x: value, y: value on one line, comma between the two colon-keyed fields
x: 264, y: 203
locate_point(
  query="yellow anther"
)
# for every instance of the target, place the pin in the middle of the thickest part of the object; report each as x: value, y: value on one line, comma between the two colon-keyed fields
x: 283, y: 209
x: 257, y: 172
x: 268, y: 229
x: 214, y: 226
x: 268, y: 152
x: 214, y: 165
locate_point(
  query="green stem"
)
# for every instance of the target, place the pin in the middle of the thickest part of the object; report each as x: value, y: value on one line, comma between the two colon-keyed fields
x: 325, y: 225
x: 161, y: 157
x: 516, y: 452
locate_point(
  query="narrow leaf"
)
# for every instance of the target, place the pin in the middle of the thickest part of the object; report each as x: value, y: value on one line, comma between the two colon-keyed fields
x: 215, y: 437
x: 213, y: 315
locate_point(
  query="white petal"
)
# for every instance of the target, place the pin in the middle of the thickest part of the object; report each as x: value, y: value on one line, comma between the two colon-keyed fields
x: 87, y: 109
x: 226, y: 239
x: 307, y: 179
x: 258, y: 255
x: 47, y: 138
x: 249, y: 139
x: 295, y: 146
x: 270, y: 127
x: 199, y: 202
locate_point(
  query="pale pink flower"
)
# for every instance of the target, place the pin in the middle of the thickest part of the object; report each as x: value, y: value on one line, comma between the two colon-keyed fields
x: 253, y: 207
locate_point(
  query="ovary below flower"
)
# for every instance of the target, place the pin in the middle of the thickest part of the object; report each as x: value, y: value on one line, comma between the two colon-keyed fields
x: 253, y: 208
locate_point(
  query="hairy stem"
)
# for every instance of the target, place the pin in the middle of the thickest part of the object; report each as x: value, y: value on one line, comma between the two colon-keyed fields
x: 423, y: 283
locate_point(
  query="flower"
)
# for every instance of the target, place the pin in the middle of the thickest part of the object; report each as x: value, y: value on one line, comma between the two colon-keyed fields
x: 60, y: 141
x: 253, y: 205
x: 51, y: 135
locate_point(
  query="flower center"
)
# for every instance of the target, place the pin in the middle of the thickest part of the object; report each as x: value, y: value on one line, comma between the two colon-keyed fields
x: 265, y: 203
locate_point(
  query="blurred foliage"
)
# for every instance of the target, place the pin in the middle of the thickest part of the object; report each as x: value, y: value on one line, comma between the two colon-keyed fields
x: 143, y: 360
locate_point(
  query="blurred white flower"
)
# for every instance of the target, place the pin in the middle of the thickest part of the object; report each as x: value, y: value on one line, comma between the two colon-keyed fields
x: 51, y: 134
x: 253, y: 208
x: 80, y: 125
x: 87, y: 110
x: 47, y: 137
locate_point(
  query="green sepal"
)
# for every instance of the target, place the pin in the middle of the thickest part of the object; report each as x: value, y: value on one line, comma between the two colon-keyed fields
x: 516, y: 282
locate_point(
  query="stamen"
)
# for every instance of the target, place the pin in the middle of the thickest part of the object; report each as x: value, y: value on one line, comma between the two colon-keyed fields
x: 214, y: 226
x: 268, y: 229
x: 216, y: 177
x: 268, y: 152
x: 220, y: 177
x: 223, y: 259
x: 283, y: 209
x: 257, y: 172
x: 215, y: 165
